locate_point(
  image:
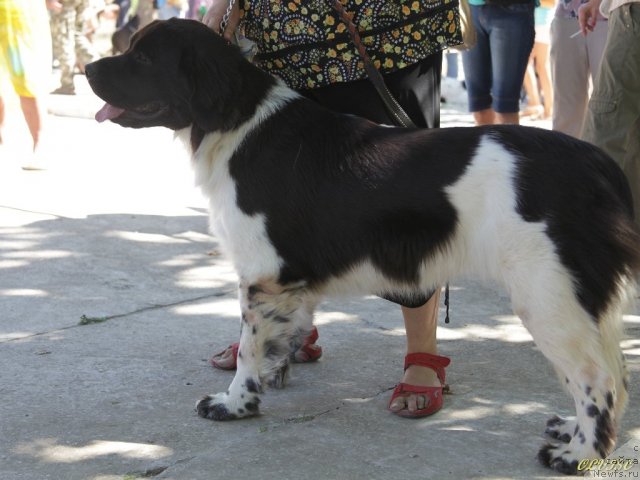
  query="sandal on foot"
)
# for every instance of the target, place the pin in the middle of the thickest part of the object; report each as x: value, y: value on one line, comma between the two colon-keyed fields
x: 217, y: 362
x: 308, y: 352
x: 432, y: 394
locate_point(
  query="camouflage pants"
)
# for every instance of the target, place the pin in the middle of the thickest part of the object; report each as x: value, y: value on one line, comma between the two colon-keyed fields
x: 70, y: 45
x: 613, y: 118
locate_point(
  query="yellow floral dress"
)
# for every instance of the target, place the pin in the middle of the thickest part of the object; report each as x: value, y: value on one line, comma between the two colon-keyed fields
x: 25, y: 45
x: 308, y: 46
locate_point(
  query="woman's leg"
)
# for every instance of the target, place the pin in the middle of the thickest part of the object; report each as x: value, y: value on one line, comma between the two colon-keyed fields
x: 477, y: 71
x: 511, y: 36
x: 34, y: 114
x: 417, y: 89
x: 2, y: 114
x: 420, y: 324
x: 541, y: 55
x: 534, y: 105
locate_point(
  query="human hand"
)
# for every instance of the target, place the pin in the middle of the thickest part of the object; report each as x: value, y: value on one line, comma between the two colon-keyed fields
x: 54, y: 5
x: 214, y: 15
x: 587, y: 15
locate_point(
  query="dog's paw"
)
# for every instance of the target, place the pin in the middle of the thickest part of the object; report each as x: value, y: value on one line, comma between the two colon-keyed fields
x: 222, y: 407
x: 559, y: 458
x: 561, y: 429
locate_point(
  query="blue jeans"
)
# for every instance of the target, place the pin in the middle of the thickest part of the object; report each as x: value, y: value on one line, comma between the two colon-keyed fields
x: 494, y: 69
x: 452, y: 65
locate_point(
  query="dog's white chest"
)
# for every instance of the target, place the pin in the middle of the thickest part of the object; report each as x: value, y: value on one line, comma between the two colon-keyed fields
x: 243, y: 237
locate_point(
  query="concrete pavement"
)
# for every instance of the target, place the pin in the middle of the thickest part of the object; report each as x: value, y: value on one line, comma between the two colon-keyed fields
x: 113, y: 297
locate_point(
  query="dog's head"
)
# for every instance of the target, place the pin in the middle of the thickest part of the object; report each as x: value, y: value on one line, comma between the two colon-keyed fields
x: 177, y: 73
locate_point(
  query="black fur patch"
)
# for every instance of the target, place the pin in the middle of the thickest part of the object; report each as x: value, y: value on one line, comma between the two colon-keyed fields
x: 595, y: 241
x: 279, y: 378
x: 253, y: 386
x: 369, y: 204
x: 544, y: 455
x: 546, y: 458
x: 555, y: 421
x: 214, y: 412
x: 593, y: 410
x: 605, y: 434
x: 252, y: 291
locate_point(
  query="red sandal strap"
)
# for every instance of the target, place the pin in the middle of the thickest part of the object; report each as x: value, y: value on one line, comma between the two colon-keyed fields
x: 434, y: 395
x: 312, y: 351
x: 408, y: 388
x: 435, y: 362
x: 312, y: 337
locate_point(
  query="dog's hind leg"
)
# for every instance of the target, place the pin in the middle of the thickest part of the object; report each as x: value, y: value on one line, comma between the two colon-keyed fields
x: 274, y: 319
x: 586, y: 354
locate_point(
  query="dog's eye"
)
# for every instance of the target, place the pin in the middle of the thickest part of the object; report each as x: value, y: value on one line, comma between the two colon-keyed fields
x: 141, y: 58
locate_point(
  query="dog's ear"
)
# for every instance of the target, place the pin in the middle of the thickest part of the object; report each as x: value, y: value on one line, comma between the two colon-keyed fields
x: 213, y: 71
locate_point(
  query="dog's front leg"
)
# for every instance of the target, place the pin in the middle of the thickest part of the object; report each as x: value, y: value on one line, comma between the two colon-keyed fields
x: 269, y: 329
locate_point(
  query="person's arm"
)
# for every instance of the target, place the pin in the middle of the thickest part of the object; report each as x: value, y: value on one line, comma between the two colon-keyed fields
x: 587, y: 15
x: 216, y: 11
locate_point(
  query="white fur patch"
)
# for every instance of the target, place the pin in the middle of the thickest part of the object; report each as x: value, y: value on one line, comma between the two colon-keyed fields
x: 243, y: 238
x: 491, y: 239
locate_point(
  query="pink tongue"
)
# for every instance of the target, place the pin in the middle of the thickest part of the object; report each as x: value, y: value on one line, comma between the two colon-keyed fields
x: 108, y: 112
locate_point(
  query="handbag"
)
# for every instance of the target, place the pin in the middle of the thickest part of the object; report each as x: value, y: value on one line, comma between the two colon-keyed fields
x: 469, y: 35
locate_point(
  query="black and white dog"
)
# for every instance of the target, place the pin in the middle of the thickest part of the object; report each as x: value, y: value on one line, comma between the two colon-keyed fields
x: 307, y: 202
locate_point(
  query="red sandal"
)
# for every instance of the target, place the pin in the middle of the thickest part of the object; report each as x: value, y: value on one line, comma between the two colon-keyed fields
x: 308, y: 352
x: 433, y: 394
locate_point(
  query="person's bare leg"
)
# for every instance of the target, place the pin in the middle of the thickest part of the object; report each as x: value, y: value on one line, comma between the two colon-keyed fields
x: 544, y: 77
x: 534, y: 104
x: 420, y: 324
x: 484, y: 117
x: 34, y: 113
x: 1, y: 118
x: 507, y: 118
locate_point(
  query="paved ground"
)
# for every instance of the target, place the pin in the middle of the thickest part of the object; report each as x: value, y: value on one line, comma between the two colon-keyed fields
x: 114, y: 233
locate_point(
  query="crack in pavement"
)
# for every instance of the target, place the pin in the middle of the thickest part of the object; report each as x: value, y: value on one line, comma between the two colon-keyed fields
x: 88, y: 320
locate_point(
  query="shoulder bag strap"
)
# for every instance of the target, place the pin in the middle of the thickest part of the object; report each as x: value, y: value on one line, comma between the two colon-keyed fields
x: 394, y: 109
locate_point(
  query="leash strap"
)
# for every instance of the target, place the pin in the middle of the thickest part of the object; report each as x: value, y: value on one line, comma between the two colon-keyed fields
x: 398, y: 114
x: 400, y: 117
x: 227, y: 15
